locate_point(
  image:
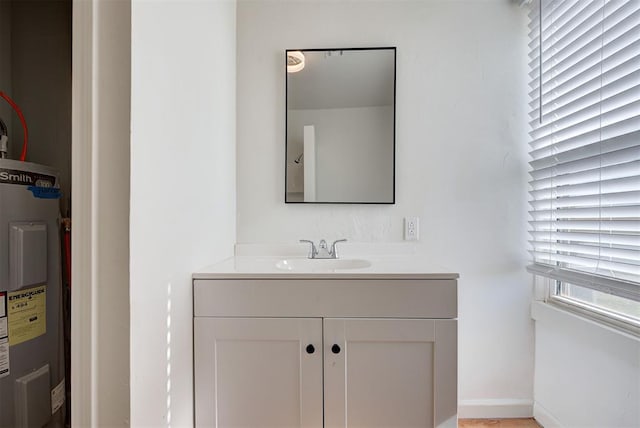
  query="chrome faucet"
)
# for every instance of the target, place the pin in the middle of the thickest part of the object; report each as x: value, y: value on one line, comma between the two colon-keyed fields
x: 322, y: 251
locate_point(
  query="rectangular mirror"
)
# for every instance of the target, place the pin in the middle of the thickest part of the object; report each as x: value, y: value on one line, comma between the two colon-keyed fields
x: 340, y: 130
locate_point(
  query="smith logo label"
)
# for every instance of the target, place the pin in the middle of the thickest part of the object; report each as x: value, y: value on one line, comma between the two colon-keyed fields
x: 26, y: 178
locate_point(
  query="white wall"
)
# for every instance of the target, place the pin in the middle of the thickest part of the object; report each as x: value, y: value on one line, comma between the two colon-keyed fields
x: 461, y: 161
x: 41, y: 84
x: 182, y: 188
x: 586, y: 375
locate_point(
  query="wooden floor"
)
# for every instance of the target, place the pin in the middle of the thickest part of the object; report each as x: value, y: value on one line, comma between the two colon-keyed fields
x: 498, y: 423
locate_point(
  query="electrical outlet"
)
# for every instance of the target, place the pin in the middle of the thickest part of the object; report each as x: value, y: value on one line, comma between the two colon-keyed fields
x: 411, y: 230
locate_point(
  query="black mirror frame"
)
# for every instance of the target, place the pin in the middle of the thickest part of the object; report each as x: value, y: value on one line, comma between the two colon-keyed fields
x: 286, y: 85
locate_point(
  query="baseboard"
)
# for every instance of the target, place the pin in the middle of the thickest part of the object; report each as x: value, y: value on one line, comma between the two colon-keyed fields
x: 495, y: 408
x: 544, y: 418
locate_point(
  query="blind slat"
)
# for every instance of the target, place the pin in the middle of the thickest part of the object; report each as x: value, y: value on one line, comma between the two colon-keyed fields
x: 618, y: 226
x: 588, y: 237
x: 628, y: 211
x: 627, y: 256
x: 597, y: 266
x: 601, y: 199
x: 589, y: 176
x: 624, y: 184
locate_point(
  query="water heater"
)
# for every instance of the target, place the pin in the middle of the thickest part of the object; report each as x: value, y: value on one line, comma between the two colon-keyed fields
x: 31, y: 319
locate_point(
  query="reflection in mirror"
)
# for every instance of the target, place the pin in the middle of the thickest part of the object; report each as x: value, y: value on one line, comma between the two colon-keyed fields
x: 340, y: 142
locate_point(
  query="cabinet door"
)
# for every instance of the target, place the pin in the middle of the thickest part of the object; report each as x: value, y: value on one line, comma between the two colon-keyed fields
x: 252, y: 372
x: 390, y: 373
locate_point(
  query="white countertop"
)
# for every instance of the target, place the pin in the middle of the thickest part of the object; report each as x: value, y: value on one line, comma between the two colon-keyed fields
x: 389, y: 261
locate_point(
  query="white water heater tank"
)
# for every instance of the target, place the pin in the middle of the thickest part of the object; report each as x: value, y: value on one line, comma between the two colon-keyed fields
x: 31, y: 316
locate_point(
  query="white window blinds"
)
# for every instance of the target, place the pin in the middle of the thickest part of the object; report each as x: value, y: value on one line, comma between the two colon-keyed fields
x: 585, y: 143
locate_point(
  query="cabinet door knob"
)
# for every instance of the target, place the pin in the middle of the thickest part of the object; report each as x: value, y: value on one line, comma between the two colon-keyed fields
x: 310, y: 349
x: 335, y: 349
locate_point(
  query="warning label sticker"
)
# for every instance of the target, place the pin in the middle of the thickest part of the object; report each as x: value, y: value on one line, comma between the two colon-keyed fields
x: 4, y: 357
x: 27, y: 314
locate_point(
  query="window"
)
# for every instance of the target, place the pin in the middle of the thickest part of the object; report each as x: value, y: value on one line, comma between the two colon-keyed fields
x: 585, y: 153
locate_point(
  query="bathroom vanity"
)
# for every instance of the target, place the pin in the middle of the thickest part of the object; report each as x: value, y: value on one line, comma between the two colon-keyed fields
x: 285, y: 342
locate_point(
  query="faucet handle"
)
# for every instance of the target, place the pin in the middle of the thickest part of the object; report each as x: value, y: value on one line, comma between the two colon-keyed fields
x: 312, y: 251
x: 334, y: 250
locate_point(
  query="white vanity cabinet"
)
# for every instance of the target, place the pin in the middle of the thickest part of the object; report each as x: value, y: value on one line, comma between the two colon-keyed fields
x: 325, y: 352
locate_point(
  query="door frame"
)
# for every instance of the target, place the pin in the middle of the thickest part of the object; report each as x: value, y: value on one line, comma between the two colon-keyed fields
x: 101, y: 93
x: 82, y: 320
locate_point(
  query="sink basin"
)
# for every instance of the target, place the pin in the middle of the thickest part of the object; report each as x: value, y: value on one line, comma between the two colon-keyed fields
x: 321, y: 265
